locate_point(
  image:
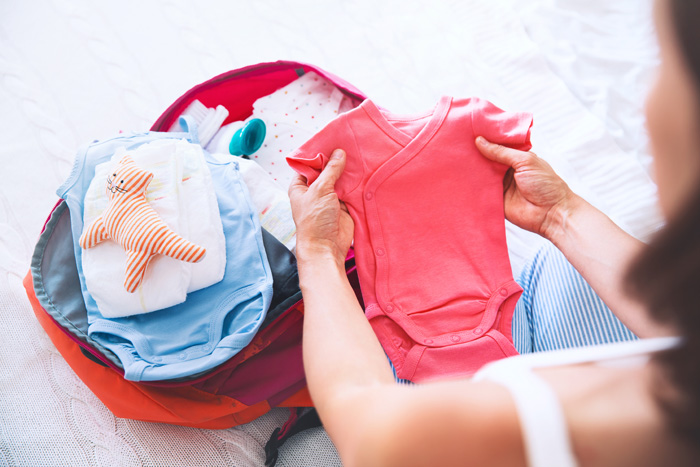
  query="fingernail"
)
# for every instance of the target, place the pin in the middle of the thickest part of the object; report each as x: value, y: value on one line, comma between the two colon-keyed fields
x: 480, y: 140
x: 337, y: 154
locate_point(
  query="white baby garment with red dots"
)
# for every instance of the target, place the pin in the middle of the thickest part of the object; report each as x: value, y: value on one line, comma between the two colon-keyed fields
x: 292, y: 115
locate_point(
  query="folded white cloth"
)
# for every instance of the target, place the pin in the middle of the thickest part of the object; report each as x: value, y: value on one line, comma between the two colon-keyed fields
x: 271, y: 202
x: 201, y: 210
x: 182, y: 194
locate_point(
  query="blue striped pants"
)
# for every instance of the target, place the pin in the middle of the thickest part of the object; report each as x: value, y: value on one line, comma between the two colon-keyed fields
x: 558, y: 309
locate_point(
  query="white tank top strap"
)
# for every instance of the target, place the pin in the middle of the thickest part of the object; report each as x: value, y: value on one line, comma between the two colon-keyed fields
x: 545, y: 433
x: 544, y: 428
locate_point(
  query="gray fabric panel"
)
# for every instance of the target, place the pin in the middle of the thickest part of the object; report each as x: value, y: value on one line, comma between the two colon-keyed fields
x: 56, y: 281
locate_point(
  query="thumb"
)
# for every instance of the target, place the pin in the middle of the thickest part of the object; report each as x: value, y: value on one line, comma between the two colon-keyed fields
x: 498, y: 153
x: 333, y: 170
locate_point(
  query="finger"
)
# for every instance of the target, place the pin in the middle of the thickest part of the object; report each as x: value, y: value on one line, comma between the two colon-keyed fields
x: 332, y: 171
x: 501, y: 154
x: 297, y: 186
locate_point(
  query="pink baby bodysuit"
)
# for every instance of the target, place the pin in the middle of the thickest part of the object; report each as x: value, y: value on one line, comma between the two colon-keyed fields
x: 430, y: 239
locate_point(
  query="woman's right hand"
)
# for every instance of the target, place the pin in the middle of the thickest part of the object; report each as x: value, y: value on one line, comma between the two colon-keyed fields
x: 535, y: 197
x: 323, y: 223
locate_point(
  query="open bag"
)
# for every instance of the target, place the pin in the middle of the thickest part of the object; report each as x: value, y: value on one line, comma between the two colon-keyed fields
x: 266, y: 373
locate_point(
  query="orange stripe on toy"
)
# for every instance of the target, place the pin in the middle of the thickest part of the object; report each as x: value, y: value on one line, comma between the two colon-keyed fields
x: 150, y: 228
x: 167, y: 244
x: 179, y: 249
x: 198, y: 254
x: 153, y: 233
x: 190, y: 252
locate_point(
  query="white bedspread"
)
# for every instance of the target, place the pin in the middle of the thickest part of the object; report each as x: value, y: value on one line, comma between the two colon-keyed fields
x: 76, y: 70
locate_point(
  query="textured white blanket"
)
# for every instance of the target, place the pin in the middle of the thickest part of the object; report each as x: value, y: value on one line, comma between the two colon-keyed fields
x: 75, y: 70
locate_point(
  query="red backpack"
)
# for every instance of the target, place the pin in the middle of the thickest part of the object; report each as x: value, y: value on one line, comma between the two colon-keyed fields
x: 267, y: 373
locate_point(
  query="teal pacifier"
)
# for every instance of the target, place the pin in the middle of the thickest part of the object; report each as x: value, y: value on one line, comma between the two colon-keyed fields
x: 247, y: 139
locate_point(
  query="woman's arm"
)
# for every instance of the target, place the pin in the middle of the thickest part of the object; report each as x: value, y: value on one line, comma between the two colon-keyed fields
x: 343, y: 359
x: 537, y: 200
x: 601, y: 252
x: 335, y: 327
x: 371, y: 419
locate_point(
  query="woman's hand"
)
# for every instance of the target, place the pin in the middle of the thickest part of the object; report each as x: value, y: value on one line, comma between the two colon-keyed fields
x: 535, y: 197
x: 323, y: 224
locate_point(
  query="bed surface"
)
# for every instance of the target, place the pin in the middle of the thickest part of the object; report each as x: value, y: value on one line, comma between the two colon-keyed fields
x: 75, y: 71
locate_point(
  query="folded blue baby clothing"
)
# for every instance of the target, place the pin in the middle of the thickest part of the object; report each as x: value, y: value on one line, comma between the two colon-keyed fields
x: 214, y: 323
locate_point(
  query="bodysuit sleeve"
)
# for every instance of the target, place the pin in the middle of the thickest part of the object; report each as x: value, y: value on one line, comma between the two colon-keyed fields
x: 310, y: 159
x: 510, y: 129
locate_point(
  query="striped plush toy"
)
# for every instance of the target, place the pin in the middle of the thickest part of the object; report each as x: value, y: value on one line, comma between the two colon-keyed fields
x: 131, y: 221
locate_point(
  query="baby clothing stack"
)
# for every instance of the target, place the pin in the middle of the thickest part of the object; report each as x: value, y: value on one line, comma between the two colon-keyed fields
x: 215, y: 321
x: 186, y: 318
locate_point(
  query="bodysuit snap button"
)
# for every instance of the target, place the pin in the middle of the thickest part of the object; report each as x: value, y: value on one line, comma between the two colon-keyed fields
x: 368, y: 195
x: 478, y: 331
x: 380, y: 252
x: 389, y: 308
x: 428, y: 341
x: 455, y: 338
x: 504, y: 292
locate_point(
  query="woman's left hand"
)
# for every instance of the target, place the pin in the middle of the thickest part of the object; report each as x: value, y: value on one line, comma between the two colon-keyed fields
x: 324, y: 226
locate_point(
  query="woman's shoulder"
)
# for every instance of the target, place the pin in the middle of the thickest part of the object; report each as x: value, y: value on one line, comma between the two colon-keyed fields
x: 586, y: 406
x: 612, y: 416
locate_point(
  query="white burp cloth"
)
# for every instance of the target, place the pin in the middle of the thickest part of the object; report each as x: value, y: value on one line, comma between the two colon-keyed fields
x: 292, y: 115
x: 271, y: 202
x: 221, y: 141
x: 182, y: 194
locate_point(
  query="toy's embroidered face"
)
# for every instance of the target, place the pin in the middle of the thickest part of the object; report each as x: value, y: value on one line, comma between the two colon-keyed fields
x: 127, y: 178
x: 115, y: 186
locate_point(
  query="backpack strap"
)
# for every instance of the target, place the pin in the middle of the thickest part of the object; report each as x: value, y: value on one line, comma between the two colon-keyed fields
x: 300, y: 419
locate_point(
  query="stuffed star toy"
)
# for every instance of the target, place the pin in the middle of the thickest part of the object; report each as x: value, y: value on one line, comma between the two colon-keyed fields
x: 131, y: 221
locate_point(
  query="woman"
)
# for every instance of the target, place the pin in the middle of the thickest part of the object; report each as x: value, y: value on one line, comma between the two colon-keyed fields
x: 561, y: 410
